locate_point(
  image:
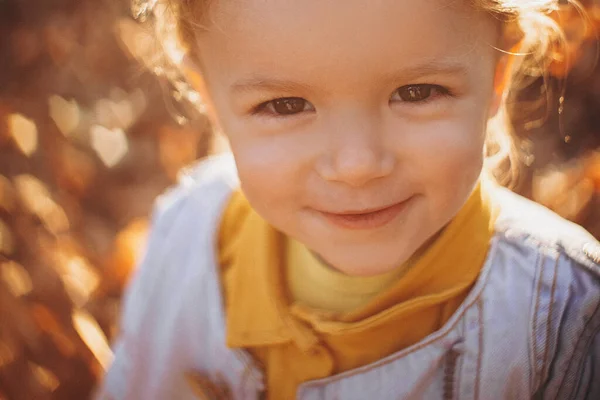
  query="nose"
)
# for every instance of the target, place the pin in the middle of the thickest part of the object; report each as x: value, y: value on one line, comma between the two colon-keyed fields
x: 357, y: 153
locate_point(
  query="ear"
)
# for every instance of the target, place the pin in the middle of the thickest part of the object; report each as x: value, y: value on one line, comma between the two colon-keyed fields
x: 193, y: 74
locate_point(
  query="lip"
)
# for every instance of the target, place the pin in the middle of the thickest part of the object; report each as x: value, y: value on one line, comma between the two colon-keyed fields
x: 366, y: 219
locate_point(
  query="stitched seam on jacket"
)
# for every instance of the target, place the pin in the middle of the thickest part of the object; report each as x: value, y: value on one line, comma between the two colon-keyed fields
x: 580, y: 348
x: 449, y: 388
x: 480, y: 349
x: 546, y: 364
x: 588, y: 341
x: 461, y: 361
x: 539, y: 278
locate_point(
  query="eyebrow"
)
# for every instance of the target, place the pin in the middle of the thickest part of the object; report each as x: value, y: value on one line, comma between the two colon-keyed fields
x: 268, y: 84
x: 425, y: 69
x: 433, y: 67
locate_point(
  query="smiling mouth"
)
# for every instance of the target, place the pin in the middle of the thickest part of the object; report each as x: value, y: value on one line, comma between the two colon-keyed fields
x: 366, y: 219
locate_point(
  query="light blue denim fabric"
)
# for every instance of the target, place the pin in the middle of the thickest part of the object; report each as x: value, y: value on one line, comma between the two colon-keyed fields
x: 529, y: 329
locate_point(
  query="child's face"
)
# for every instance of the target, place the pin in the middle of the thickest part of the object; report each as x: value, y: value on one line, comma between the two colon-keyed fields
x: 380, y: 140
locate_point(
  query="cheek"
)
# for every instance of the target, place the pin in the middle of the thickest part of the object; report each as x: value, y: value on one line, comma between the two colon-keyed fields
x: 269, y: 178
x: 269, y: 161
x: 450, y: 158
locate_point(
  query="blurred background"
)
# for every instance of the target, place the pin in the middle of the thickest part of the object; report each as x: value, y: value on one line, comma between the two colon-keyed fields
x: 91, y: 133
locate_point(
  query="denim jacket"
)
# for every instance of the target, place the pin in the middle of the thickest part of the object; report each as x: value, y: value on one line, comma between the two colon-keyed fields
x: 529, y: 329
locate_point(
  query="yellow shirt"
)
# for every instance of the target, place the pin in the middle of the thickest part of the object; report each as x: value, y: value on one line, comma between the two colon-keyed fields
x: 295, y: 343
x: 312, y: 283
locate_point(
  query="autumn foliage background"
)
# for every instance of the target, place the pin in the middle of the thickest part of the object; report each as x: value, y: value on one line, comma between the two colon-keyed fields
x: 90, y: 135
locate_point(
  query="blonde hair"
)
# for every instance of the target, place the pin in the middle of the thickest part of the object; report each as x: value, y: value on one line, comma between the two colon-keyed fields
x: 530, y: 33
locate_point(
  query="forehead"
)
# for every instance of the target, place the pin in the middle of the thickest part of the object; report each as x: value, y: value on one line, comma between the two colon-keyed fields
x: 329, y: 34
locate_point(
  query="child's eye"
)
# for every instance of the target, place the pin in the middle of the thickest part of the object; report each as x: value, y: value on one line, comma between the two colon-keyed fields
x: 285, y: 106
x: 418, y: 93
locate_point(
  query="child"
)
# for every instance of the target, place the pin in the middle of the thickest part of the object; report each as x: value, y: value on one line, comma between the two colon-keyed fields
x: 356, y: 250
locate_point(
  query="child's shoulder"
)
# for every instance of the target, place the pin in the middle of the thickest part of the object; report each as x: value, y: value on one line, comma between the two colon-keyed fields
x: 537, y: 228
x: 184, y: 220
x: 182, y: 235
x: 205, y: 182
x: 551, y: 267
x: 186, y: 217
x: 172, y: 312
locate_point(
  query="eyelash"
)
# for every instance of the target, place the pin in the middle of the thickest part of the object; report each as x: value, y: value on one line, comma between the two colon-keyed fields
x: 437, y: 92
x: 263, y: 108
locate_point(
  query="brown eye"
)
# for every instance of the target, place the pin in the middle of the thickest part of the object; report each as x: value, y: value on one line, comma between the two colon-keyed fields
x: 415, y: 93
x: 288, y: 106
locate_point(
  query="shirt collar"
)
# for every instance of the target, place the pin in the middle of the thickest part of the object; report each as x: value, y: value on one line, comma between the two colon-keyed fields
x: 258, y: 309
x: 256, y: 300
